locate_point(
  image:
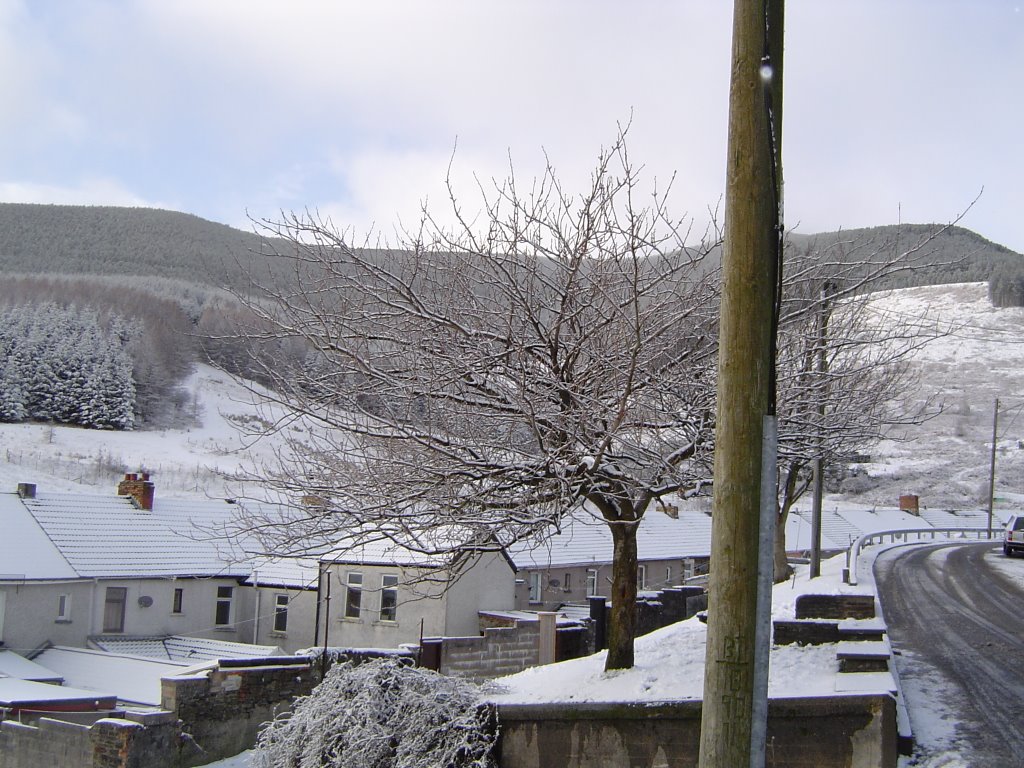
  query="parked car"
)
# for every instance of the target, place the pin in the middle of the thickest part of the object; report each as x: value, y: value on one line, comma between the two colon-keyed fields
x: 1013, y: 540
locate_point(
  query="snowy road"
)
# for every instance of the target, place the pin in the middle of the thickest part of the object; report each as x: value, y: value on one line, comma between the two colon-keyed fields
x: 956, y: 618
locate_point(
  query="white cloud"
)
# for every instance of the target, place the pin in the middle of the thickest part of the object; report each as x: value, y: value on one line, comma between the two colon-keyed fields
x: 88, y: 192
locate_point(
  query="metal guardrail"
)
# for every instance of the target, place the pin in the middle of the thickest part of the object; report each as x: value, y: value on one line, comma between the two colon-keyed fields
x: 903, y: 535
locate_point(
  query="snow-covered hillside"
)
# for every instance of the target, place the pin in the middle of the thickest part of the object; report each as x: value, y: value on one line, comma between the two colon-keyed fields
x: 187, y: 462
x: 945, y: 461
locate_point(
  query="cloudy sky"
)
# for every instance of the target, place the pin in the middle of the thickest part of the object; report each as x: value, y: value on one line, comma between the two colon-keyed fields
x: 895, y: 110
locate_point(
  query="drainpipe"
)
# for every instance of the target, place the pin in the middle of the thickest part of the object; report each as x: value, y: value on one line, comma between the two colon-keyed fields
x: 256, y: 617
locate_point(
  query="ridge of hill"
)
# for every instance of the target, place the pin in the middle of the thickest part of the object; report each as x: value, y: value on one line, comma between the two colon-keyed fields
x: 107, y: 240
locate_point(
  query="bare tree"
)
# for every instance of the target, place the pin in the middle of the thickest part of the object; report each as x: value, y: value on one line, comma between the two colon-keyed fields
x: 844, y: 373
x: 471, y: 386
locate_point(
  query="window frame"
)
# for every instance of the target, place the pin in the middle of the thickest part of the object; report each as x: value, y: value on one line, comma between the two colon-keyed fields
x: 641, y: 577
x: 178, y: 601
x: 536, y: 594
x: 64, y: 608
x: 389, y: 595
x: 113, y: 597
x: 225, y: 602
x: 353, y: 596
x: 592, y: 582
x: 281, y: 603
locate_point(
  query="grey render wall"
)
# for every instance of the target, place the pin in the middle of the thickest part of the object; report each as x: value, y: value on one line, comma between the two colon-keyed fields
x: 838, y: 732
x: 31, y: 610
x: 301, y: 626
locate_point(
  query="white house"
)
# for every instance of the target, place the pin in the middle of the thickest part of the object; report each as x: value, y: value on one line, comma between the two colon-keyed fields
x: 383, y: 595
x: 575, y: 562
x: 76, y: 567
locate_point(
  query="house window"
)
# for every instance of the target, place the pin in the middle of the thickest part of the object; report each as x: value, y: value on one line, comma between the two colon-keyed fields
x: 64, y: 608
x: 641, y: 577
x: 113, y: 609
x: 354, y: 596
x: 388, y: 598
x: 176, y: 601
x: 592, y: 582
x: 567, y: 583
x: 535, y: 586
x: 280, y: 613
x: 668, y: 575
x: 689, y: 568
x: 225, y: 595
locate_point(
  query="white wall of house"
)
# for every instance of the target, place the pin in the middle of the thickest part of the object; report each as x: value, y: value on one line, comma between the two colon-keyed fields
x: 421, y: 608
x: 292, y: 631
x: 487, y: 586
x: 66, y: 613
x: 32, y: 614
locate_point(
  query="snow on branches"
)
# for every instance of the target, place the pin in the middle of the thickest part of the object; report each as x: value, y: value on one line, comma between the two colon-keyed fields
x: 381, y: 714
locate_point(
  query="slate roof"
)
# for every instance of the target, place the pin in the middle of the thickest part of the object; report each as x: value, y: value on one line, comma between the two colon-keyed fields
x: 109, y: 536
x: 73, y: 535
x: 178, y: 648
x: 585, y: 538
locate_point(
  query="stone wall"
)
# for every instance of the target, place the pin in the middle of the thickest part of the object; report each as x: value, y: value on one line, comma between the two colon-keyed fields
x: 222, y: 709
x: 139, y: 740
x: 842, y: 731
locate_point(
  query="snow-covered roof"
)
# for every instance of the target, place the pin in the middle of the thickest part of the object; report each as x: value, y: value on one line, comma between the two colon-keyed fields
x: 109, y: 536
x: 75, y: 535
x: 14, y: 692
x: 585, y: 538
x: 136, y: 680
x: 178, y: 648
x: 13, y: 665
x: 26, y: 552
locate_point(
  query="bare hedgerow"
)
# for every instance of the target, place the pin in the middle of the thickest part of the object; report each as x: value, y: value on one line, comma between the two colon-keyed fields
x: 381, y: 714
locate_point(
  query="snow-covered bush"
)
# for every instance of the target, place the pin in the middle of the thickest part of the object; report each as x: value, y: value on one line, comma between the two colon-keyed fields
x: 381, y: 714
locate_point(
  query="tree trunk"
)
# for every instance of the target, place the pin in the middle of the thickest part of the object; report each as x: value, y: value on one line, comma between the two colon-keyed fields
x: 783, y: 570
x: 622, y: 619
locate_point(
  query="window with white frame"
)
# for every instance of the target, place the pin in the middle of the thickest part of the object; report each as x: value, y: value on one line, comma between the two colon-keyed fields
x: 178, y: 600
x: 689, y: 568
x: 388, y: 597
x: 641, y: 577
x: 592, y: 582
x: 64, y: 607
x: 535, y: 590
x: 353, y: 595
x: 225, y: 597
x: 280, y: 613
x: 668, y: 575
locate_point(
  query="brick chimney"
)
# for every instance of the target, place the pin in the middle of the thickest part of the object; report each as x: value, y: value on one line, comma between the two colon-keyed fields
x: 27, y: 490
x: 140, y: 488
x: 909, y: 502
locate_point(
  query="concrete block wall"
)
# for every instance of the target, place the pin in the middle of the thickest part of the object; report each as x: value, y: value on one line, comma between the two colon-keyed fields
x: 499, y: 651
x: 49, y: 743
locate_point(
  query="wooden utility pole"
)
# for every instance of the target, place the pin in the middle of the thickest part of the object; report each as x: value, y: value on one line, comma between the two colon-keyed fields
x: 745, y: 380
x: 992, y: 466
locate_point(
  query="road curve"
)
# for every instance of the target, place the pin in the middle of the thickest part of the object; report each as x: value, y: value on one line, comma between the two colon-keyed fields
x: 956, y: 622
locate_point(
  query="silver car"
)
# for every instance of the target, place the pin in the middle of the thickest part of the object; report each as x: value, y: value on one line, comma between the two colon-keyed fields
x: 1013, y: 540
